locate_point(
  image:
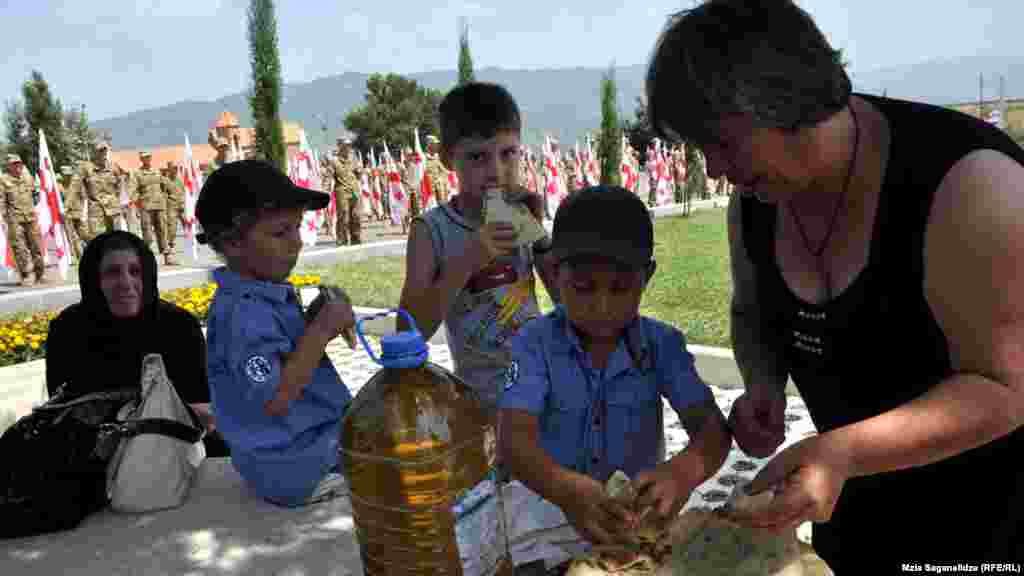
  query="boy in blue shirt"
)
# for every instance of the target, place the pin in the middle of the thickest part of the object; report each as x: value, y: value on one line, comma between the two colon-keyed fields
x: 276, y: 396
x: 583, y: 393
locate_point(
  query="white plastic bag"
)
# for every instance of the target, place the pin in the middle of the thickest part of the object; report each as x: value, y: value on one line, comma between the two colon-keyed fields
x: 161, y: 449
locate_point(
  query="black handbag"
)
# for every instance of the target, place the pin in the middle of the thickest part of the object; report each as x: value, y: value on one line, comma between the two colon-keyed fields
x: 56, y: 472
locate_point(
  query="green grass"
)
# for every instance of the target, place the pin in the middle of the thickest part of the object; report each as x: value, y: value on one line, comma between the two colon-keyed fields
x: 690, y: 290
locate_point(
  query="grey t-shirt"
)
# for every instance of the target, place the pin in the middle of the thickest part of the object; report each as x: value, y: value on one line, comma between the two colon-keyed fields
x: 488, y: 311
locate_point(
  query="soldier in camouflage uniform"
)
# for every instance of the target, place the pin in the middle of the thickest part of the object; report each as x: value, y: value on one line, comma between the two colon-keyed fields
x: 150, y: 188
x: 101, y: 187
x: 408, y: 174
x: 71, y: 190
x: 22, y: 227
x: 437, y: 172
x: 79, y: 193
x: 570, y: 173
x: 132, y: 218
x: 346, y: 192
x: 174, y: 196
x: 327, y: 185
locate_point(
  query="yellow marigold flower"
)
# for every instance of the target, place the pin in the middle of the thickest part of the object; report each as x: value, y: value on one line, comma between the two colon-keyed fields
x: 34, y: 345
x: 18, y: 341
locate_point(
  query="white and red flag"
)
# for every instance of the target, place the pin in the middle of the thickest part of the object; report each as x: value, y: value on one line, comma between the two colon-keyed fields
x: 374, y: 170
x: 423, y: 183
x: 397, y: 197
x: 552, y: 182
x: 193, y: 180
x: 581, y: 182
x: 49, y: 211
x: 301, y: 172
x: 628, y: 174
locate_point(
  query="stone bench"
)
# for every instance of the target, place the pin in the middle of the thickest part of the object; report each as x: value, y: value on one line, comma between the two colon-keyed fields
x: 221, y: 529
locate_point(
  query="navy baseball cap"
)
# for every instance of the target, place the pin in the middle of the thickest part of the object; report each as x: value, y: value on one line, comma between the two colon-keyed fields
x: 605, y: 221
x: 248, y: 185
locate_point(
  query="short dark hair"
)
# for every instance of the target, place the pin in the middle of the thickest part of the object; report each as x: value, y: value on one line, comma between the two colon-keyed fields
x: 766, y: 58
x: 477, y: 110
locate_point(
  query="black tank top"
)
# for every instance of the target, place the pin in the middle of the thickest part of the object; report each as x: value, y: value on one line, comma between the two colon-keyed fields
x: 877, y: 346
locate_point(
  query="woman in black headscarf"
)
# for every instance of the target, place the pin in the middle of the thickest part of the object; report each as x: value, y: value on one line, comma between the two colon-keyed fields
x: 98, y: 344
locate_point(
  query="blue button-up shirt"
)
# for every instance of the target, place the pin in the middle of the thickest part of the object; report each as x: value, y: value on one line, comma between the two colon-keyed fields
x: 598, y: 421
x: 252, y: 327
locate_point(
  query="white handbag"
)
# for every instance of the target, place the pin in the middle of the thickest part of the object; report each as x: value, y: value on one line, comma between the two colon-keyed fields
x: 161, y: 446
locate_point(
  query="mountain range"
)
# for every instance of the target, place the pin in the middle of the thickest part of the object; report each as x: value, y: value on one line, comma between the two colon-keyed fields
x: 564, y: 102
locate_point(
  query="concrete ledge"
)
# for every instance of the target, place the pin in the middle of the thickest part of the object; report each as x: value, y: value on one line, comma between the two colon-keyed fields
x: 220, y: 530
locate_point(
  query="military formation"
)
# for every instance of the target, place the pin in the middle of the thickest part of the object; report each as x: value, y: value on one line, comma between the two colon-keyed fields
x: 99, y: 196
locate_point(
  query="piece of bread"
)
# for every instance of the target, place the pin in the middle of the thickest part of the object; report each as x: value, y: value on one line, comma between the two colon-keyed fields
x: 498, y: 209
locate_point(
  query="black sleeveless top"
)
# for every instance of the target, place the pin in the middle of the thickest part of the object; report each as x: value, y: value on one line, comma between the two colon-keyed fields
x: 877, y: 346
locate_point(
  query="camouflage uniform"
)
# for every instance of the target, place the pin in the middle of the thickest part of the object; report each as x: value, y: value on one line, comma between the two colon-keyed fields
x: 174, y: 194
x: 327, y: 184
x: 78, y: 193
x: 679, y: 174
x: 437, y: 172
x: 132, y: 218
x: 438, y: 178
x: 411, y: 189
x: 22, y: 226
x: 346, y: 190
x: 71, y: 188
x: 570, y: 175
x: 102, y: 189
x: 148, y: 186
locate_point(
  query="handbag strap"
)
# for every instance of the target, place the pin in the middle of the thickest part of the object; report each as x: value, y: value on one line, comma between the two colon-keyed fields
x: 113, y: 395
x: 161, y: 426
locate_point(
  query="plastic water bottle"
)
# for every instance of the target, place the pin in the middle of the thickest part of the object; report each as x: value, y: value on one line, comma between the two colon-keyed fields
x: 419, y: 453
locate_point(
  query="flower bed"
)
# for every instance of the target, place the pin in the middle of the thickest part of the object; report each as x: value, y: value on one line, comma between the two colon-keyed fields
x: 23, y: 336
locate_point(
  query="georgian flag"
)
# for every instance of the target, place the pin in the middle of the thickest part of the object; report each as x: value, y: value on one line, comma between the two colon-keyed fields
x: 375, y: 188
x: 50, y: 212
x: 422, y: 179
x: 580, y: 183
x: 399, y: 201
x: 193, y: 180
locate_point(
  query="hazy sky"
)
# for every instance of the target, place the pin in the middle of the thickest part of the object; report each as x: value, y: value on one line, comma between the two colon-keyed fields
x: 118, y: 56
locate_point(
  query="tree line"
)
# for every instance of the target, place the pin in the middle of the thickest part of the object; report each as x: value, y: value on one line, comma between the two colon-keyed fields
x: 68, y: 135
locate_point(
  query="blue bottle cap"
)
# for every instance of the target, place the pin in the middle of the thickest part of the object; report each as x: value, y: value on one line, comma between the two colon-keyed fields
x: 405, y: 349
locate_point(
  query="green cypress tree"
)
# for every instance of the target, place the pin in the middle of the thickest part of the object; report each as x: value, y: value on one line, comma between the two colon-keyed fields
x: 465, y: 58
x: 265, y: 99
x: 81, y: 139
x: 42, y: 111
x: 609, y: 149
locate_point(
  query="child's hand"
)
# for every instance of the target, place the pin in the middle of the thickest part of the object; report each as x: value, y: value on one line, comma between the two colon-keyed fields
x: 662, y: 492
x: 336, y: 318
x: 493, y: 239
x: 532, y: 200
x: 598, y: 518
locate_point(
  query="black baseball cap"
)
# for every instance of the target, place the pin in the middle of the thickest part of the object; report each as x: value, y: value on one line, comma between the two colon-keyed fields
x: 247, y: 185
x: 605, y: 221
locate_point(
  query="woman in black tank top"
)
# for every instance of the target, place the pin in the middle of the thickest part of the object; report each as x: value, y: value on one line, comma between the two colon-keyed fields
x: 878, y: 261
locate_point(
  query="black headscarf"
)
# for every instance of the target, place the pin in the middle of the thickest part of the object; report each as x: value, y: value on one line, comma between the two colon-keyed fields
x: 95, y: 303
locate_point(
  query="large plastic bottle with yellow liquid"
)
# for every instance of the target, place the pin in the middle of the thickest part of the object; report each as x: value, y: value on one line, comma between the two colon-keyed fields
x: 419, y: 453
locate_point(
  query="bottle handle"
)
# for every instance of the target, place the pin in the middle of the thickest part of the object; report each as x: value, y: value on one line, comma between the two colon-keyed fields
x: 385, y: 314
